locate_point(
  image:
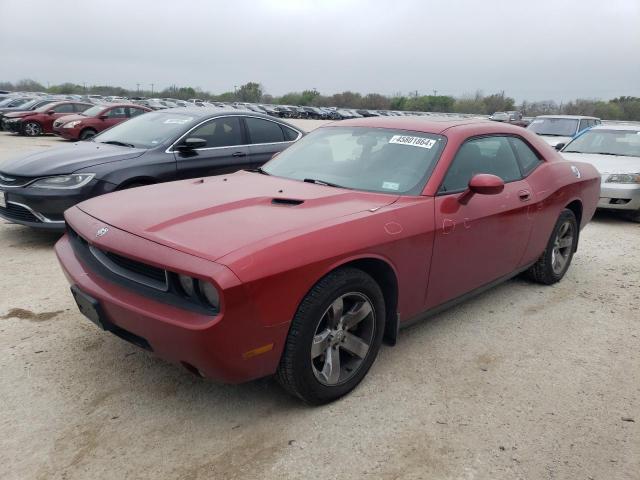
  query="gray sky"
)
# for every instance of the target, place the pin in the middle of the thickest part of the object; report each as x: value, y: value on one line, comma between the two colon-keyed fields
x: 540, y: 49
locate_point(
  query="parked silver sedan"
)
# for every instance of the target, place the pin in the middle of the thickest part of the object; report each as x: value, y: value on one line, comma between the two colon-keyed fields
x: 615, y: 152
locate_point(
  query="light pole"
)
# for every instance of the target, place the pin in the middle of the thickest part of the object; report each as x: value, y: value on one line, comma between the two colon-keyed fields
x: 152, y: 89
x: 138, y: 88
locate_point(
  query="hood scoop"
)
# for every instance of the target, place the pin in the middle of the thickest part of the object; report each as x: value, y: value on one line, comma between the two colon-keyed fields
x: 286, y: 202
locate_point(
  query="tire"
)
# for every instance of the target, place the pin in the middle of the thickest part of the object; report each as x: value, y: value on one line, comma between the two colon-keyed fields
x: 318, y: 337
x: 634, y: 216
x: 87, y: 133
x: 556, y: 258
x: 32, y: 129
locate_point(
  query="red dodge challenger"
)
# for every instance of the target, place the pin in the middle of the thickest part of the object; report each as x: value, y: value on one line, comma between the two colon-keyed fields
x: 302, y: 268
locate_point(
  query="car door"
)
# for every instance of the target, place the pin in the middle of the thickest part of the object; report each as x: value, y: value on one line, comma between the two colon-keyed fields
x: 112, y: 117
x: 56, y: 112
x: 482, y: 238
x: 225, y: 150
x: 267, y: 138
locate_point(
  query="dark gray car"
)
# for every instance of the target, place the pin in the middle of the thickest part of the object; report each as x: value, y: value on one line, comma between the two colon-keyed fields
x: 160, y: 146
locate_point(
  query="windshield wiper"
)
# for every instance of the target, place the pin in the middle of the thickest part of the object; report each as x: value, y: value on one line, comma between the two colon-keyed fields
x: 607, y: 153
x: 322, y: 182
x: 121, y: 144
x: 258, y: 170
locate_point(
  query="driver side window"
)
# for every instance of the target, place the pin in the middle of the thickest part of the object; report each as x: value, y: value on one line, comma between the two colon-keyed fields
x: 221, y: 132
x: 491, y: 154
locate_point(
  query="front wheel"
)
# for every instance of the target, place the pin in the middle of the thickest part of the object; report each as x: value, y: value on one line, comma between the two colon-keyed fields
x: 334, y: 337
x: 87, y: 133
x: 556, y: 258
x: 32, y: 129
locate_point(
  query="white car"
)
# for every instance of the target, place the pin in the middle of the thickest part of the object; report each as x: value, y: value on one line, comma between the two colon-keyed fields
x: 557, y: 130
x: 615, y: 152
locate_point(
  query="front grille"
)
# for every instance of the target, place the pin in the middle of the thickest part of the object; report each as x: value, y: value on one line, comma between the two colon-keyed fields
x: 125, y: 267
x: 17, y: 212
x: 139, y: 268
x: 7, y: 180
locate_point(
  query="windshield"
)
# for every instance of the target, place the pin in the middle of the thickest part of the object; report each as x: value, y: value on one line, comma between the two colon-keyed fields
x: 371, y: 159
x: 561, y: 127
x: 93, y: 111
x: 609, y: 142
x: 148, y: 130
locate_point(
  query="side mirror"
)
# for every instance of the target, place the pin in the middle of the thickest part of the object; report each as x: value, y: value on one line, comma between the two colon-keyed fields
x: 486, y: 184
x: 51, y: 112
x: 192, y: 144
x: 103, y: 117
x: 482, y: 184
x: 559, y: 146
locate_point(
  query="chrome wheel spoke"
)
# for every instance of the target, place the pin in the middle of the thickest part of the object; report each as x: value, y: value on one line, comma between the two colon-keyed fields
x: 355, y: 345
x: 334, y: 313
x: 565, y: 242
x: 331, y: 368
x: 356, y: 315
x: 320, y: 343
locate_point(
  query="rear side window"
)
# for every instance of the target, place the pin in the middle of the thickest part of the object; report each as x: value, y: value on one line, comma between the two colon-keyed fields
x: 79, y: 107
x: 264, y: 131
x: 289, y: 133
x: 134, y: 112
x: 220, y: 132
x: 64, y: 108
x: 117, y: 112
x: 491, y: 154
x: 528, y: 159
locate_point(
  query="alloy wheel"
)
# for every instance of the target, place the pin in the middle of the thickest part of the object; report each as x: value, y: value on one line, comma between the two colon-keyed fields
x: 562, y: 245
x: 32, y: 129
x: 343, y: 338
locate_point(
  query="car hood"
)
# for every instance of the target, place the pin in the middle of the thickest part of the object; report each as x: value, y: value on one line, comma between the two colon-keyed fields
x: 606, y: 163
x: 20, y: 114
x: 553, y: 140
x: 67, y: 159
x: 215, y: 216
x: 70, y: 118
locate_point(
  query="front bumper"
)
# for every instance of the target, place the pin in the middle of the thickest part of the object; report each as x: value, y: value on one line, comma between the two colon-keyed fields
x: 67, y: 133
x: 218, y: 347
x: 44, y: 208
x: 12, y: 125
x: 619, y: 196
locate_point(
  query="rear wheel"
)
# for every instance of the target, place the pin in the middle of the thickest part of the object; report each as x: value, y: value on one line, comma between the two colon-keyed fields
x: 334, y: 337
x: 32, y: 129
x: 87, y: 133
x: 556, y: 258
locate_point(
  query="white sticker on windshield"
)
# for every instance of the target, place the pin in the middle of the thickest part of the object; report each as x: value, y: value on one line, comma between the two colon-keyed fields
x: 413, y: 141
x: 178, y: 121
x: 390, y: 185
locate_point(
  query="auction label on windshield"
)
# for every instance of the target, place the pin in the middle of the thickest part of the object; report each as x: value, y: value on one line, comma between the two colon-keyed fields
x: 413, y: 141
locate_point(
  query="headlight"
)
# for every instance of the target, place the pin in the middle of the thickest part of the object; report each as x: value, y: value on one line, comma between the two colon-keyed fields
x: 64, y: 181
x: 624, y: 178
x: 199, y: 291
x: 209, y: 292
x: 72, y: 124
x: 187, y: 285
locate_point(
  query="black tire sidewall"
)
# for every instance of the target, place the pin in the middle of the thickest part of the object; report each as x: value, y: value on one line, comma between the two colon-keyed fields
x: 309, y: 314
x: 83, y: 134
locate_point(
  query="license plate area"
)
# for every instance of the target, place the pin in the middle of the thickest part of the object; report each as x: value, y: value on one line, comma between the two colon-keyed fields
x: 88, y: 306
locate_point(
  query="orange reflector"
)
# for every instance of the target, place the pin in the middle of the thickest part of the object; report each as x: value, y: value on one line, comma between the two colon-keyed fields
x: 257, y: 351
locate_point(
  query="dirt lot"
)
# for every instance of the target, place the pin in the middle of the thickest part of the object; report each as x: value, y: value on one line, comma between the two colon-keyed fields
x: 523, y: 382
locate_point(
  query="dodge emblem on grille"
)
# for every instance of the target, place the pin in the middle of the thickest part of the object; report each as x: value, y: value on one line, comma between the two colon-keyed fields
x: 101, y: 232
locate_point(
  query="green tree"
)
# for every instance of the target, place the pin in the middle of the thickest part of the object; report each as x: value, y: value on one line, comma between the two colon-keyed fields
x: 250, y: 92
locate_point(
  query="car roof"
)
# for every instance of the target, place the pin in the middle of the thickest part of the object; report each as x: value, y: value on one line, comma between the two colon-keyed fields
x: 618, y: 126
x: 572, y: 117
x: 419, y: 124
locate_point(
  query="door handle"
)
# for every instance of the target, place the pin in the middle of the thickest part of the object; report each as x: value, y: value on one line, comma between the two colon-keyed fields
x: 524, y: 195
x: 239, y: 154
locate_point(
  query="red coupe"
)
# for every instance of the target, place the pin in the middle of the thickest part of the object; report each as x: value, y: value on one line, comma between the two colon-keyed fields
x: 302, y: 268
x: 87, y: 124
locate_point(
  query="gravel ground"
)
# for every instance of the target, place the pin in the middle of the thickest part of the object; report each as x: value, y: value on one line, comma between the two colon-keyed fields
x: 522, y: 382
